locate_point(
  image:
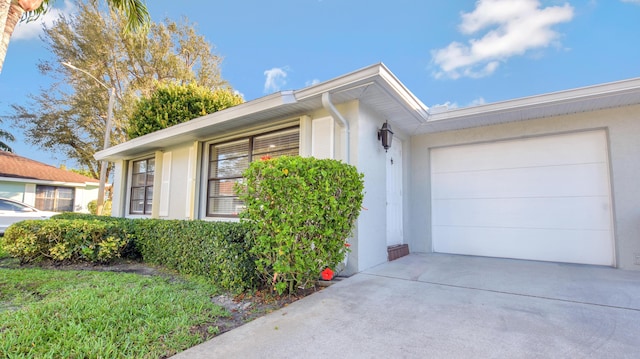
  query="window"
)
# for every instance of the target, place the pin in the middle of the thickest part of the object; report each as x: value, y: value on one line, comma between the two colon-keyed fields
x: 228, y: 160
x: 56, y: 199
x: 141, y: 196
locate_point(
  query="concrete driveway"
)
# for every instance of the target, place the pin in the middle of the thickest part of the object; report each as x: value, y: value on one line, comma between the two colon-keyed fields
x: 447, y: 306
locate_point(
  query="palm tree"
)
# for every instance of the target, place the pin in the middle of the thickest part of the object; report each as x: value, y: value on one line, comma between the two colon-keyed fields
x: 4, y: 135
x: 11, y: 11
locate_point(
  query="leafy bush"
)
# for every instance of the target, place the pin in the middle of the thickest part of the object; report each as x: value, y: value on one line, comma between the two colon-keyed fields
x: 92, y: 206
x: 127, y: 225
x: 65, y: 240
x: 301, y: 211
x: 216, y: 250
x: 173, y: 104
x: 86, y: 216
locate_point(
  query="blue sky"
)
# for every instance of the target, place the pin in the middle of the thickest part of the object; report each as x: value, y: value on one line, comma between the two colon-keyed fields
x: 455, y: 53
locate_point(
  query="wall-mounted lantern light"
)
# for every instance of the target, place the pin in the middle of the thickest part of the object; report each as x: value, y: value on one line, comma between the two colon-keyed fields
x: 386, y: 135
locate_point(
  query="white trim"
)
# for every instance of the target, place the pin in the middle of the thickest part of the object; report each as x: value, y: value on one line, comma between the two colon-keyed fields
x: 323, y: 137
x: 46, y: 182
x: 29, y: 194
x: 127, y: 188
x: 253, y: 131
x: 583, y: 93
x: 590, y: 98
x: 281, y: 104
x: 190, y: 182
x: 187, y: 130
x: 165, y: 188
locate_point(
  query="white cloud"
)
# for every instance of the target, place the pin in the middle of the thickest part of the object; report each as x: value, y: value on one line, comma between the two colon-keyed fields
x: 275, y: 79
x: 312, y: 82
x: 512, y: 28
x: 477, y: 102
x: 443, y: 107
x: 33, y: 29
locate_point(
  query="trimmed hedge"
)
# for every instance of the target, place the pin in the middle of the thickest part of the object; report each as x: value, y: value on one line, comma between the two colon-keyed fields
x: 65, y: 240
x: 218, y: 251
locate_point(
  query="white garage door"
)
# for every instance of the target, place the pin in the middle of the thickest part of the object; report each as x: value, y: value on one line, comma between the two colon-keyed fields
x: 543, y: 198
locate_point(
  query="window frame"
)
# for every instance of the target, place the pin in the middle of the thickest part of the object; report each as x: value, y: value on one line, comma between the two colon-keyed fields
x: 209, y: 161
x: 146, y: 187
x: 40, y: 202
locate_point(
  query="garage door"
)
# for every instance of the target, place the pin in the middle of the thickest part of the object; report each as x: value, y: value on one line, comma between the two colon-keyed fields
x: 543, y: 198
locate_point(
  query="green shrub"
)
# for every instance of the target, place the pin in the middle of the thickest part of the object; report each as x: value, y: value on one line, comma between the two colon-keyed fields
x: 93, y: 207
x: 301, y: 211
x: 78, y: 215
x: 174, y: 103
x: 65, y: 240
x: 216, y: 250
x: 127, y: 225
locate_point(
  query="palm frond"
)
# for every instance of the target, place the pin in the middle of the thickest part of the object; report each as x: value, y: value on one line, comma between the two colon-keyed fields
x: 138, y: 17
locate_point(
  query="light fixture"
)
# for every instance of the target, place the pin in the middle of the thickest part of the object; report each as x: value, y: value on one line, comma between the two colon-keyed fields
x: 386, y: 135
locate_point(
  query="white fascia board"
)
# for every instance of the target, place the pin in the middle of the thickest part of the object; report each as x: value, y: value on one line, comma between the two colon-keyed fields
x: 406, y: 97
x: 550, y: 99
x: 352, y: 79
x: 192, y: 126
x: 45, y: 182
x: 377, y: 74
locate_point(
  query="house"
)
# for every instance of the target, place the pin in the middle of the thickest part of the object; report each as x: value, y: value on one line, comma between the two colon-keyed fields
x: 552, y: 177
x: 45, y: 187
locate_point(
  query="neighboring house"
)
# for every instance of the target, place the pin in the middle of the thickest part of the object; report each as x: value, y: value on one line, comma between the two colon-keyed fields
x: 553, y: 177
x: 45, y: 187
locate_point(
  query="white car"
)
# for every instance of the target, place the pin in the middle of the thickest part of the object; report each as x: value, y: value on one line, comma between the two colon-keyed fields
x: 14, y: 211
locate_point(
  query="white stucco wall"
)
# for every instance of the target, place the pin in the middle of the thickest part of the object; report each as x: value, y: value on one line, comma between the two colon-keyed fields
x: 369, y: 242
x: 623, y: 126
x: 12, y: 190
x: 83, y: 196
x: 118, y: 196
x: 371, y: 161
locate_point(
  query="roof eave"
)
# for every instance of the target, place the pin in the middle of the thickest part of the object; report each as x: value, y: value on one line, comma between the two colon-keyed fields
x: 377, y: 74
x: 583, y: 99
x: 47, y: 182
x: 190, y: 128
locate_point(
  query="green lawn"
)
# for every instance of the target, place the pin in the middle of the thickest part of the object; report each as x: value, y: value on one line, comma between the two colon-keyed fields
x: 86, y: 314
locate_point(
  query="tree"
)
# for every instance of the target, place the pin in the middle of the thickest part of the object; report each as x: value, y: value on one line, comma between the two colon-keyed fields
x: 69, y: 117
x: 5, y: 136
x: 11, y: 11
x: 174, y: 103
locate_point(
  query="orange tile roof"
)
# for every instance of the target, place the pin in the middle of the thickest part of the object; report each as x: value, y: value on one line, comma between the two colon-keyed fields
x: 12, y: 165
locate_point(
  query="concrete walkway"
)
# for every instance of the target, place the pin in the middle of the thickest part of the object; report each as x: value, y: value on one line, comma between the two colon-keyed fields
x: 447, y: 306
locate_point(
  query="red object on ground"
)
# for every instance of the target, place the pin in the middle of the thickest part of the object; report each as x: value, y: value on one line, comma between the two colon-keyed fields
x: 327, y: 274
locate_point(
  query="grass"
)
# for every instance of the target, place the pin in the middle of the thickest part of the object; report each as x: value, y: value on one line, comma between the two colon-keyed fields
x: 85, y: 314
